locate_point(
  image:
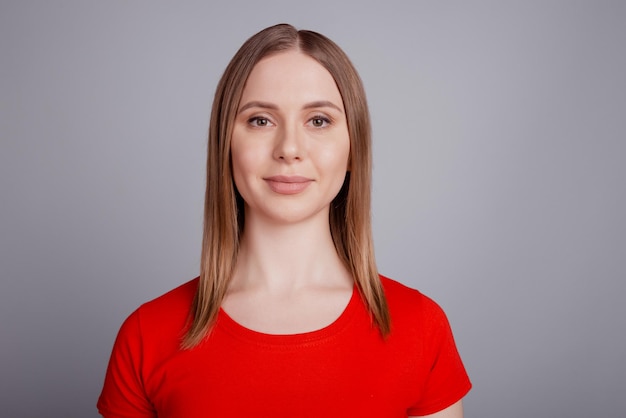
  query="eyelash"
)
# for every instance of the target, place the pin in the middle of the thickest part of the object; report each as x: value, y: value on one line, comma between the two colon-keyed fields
x: 326, y: 120
x: 254, y: 121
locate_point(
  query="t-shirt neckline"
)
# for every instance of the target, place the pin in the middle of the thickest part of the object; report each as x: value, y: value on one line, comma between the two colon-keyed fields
x: 235, y: 329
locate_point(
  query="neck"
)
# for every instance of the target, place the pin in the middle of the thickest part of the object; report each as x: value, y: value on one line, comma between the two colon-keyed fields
x: 288, y: 257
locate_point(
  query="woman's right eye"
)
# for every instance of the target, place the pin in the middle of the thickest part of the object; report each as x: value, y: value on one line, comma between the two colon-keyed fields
x: 259, y: 122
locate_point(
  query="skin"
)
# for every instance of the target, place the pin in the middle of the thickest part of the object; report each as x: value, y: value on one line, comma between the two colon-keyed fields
x: 453, y: 411
x: 291, y: 122
x: 290, y: 148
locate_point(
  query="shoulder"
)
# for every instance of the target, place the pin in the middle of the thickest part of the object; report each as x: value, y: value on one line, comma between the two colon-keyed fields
x: 164, y: 317
x: 402, y: 297
x: 176, y: 300
x: 412, y: 310
x: 422, y: 335
x: 149, y: 336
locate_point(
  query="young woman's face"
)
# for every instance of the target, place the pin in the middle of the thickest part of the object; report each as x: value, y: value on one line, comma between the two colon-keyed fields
x: 290, y: 143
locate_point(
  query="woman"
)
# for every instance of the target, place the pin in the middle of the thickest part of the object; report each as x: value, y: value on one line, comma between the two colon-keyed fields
x: 289, y: 316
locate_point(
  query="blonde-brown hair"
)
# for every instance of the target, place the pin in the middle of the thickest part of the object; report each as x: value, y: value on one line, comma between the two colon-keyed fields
x: 350, y: 214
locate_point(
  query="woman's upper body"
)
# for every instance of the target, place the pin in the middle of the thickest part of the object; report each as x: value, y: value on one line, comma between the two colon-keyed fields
x: 345, y: 369
x: 289, y: 316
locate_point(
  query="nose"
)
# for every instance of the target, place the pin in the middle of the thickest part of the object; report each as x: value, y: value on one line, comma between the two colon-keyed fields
x: 290, y: 143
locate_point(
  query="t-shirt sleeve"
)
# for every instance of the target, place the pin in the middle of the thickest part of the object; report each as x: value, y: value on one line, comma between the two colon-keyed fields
x: 447, y: 381
x: 123, y: 394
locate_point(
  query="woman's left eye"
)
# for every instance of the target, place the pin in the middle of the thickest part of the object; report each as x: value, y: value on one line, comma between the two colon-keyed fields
x: 320, y: 121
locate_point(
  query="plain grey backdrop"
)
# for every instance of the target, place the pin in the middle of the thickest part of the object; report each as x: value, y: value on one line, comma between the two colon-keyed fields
x: 499, y: 140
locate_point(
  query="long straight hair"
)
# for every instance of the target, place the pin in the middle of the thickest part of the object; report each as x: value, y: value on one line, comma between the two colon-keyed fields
x: 350, y: 212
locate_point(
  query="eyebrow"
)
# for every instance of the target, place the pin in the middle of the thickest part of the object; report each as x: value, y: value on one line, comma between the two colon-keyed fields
x: 267, y: 105
x: 264, y: 105
x: 322, y: 103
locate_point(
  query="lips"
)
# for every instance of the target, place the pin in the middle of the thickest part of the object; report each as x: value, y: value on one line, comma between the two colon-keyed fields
x: 288, y: 184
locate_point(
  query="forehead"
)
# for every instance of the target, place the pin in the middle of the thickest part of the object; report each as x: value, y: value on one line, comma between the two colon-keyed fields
x: 290, y: 76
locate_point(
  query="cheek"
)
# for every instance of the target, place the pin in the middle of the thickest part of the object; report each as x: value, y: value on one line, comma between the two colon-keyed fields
x: 241, y: 154
x: 334, y: 163
x: 240, y: 161
x: 241, y: 175
x: 338, y: 157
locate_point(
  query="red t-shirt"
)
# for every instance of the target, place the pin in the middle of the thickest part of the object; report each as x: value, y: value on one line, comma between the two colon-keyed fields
x: 343, y: 370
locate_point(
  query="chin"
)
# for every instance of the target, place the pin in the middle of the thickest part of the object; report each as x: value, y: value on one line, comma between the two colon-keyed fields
x: 293, y: 215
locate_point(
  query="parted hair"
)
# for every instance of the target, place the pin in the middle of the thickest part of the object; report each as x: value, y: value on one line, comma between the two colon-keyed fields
x: 350, y: 211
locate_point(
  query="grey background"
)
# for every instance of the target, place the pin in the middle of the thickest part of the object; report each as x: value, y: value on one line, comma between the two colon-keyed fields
x: 499, y: 181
